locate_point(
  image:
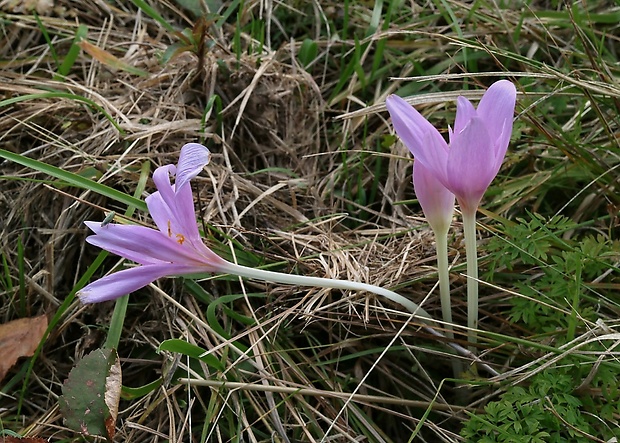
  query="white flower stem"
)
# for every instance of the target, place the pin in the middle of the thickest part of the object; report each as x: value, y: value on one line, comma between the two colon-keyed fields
x: 303, y: 280
x: 469, y: 228
x: 441, y: 241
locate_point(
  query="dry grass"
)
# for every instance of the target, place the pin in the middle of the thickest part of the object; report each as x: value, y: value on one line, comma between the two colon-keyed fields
x: 276, y: 191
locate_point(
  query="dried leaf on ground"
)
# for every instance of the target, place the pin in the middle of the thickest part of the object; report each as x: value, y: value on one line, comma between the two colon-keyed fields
x: 20, y: 338
x: 108, y: 59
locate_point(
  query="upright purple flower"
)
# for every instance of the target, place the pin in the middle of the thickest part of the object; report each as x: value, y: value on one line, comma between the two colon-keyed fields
x: 467, y: 165
x: 175, y: 248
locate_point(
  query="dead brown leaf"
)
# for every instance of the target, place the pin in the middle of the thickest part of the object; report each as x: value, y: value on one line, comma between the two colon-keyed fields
x: 108, y: 59
x: 20, y: 338
x: 113, y: 385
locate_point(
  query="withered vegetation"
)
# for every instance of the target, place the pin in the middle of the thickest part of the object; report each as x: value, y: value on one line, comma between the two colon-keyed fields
x: 292, y: 185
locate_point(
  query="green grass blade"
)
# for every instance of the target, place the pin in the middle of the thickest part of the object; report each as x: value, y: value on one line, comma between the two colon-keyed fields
x: 75, y: 179
x: 120, y: 307
x: 73, y: 53
x: 57, y: 94
x: 151, y: 12
x: 47, y: 38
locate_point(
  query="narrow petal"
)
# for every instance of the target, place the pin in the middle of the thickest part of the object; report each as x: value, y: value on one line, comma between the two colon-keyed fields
x: 414, y: 129
x: 127, y: 281
x: 177, y: 222
x: 183, y: 231
x: 172, y: 208
x: 465, y: 111
x: 436, y: 200
x: 185, y: 213
x: 216, y: 263
x: 193, y: 158
x: 161, y: 177
x: 497, y: 109
x: 161, y: 213
x: 470, y: 164
x: 501, y: 145
x: 141, y: 244
x: 436, y: 157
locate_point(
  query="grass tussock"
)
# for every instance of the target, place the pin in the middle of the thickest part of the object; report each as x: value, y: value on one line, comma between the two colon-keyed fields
x: 307, y: 177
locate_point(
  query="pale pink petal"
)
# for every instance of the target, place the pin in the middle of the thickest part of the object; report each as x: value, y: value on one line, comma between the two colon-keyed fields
x: 173, y: 208
x: 185, y: 213
x: 437, y: 202
x: 501, y: 146
x: 127, y: 281
x: 470, y: 164
x: 162, y: 214
x: 161, y: 177
x: 141, y: 244
x: 177, y: 221
x: 216, y: 263
x: 192, y: 159
x: 181, y: 226
x: 414, y: 129
x: 436, y: 158
x: 497, y: 109
x: 465, y: 111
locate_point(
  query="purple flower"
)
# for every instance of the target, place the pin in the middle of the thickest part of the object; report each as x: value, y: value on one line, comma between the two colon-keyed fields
x: 175, y: 248
x: 467, y: 165
x: 436, y: 201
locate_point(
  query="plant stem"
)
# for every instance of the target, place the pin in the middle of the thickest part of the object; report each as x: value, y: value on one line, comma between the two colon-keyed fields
x: 469, y: 228
x: 116, y: 323
x: 302, y: 280
x: 441, y: 241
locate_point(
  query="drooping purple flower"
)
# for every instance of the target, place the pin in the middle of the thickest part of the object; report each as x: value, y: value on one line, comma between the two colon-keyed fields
x: 471, y: 160
x: 175, y: 248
